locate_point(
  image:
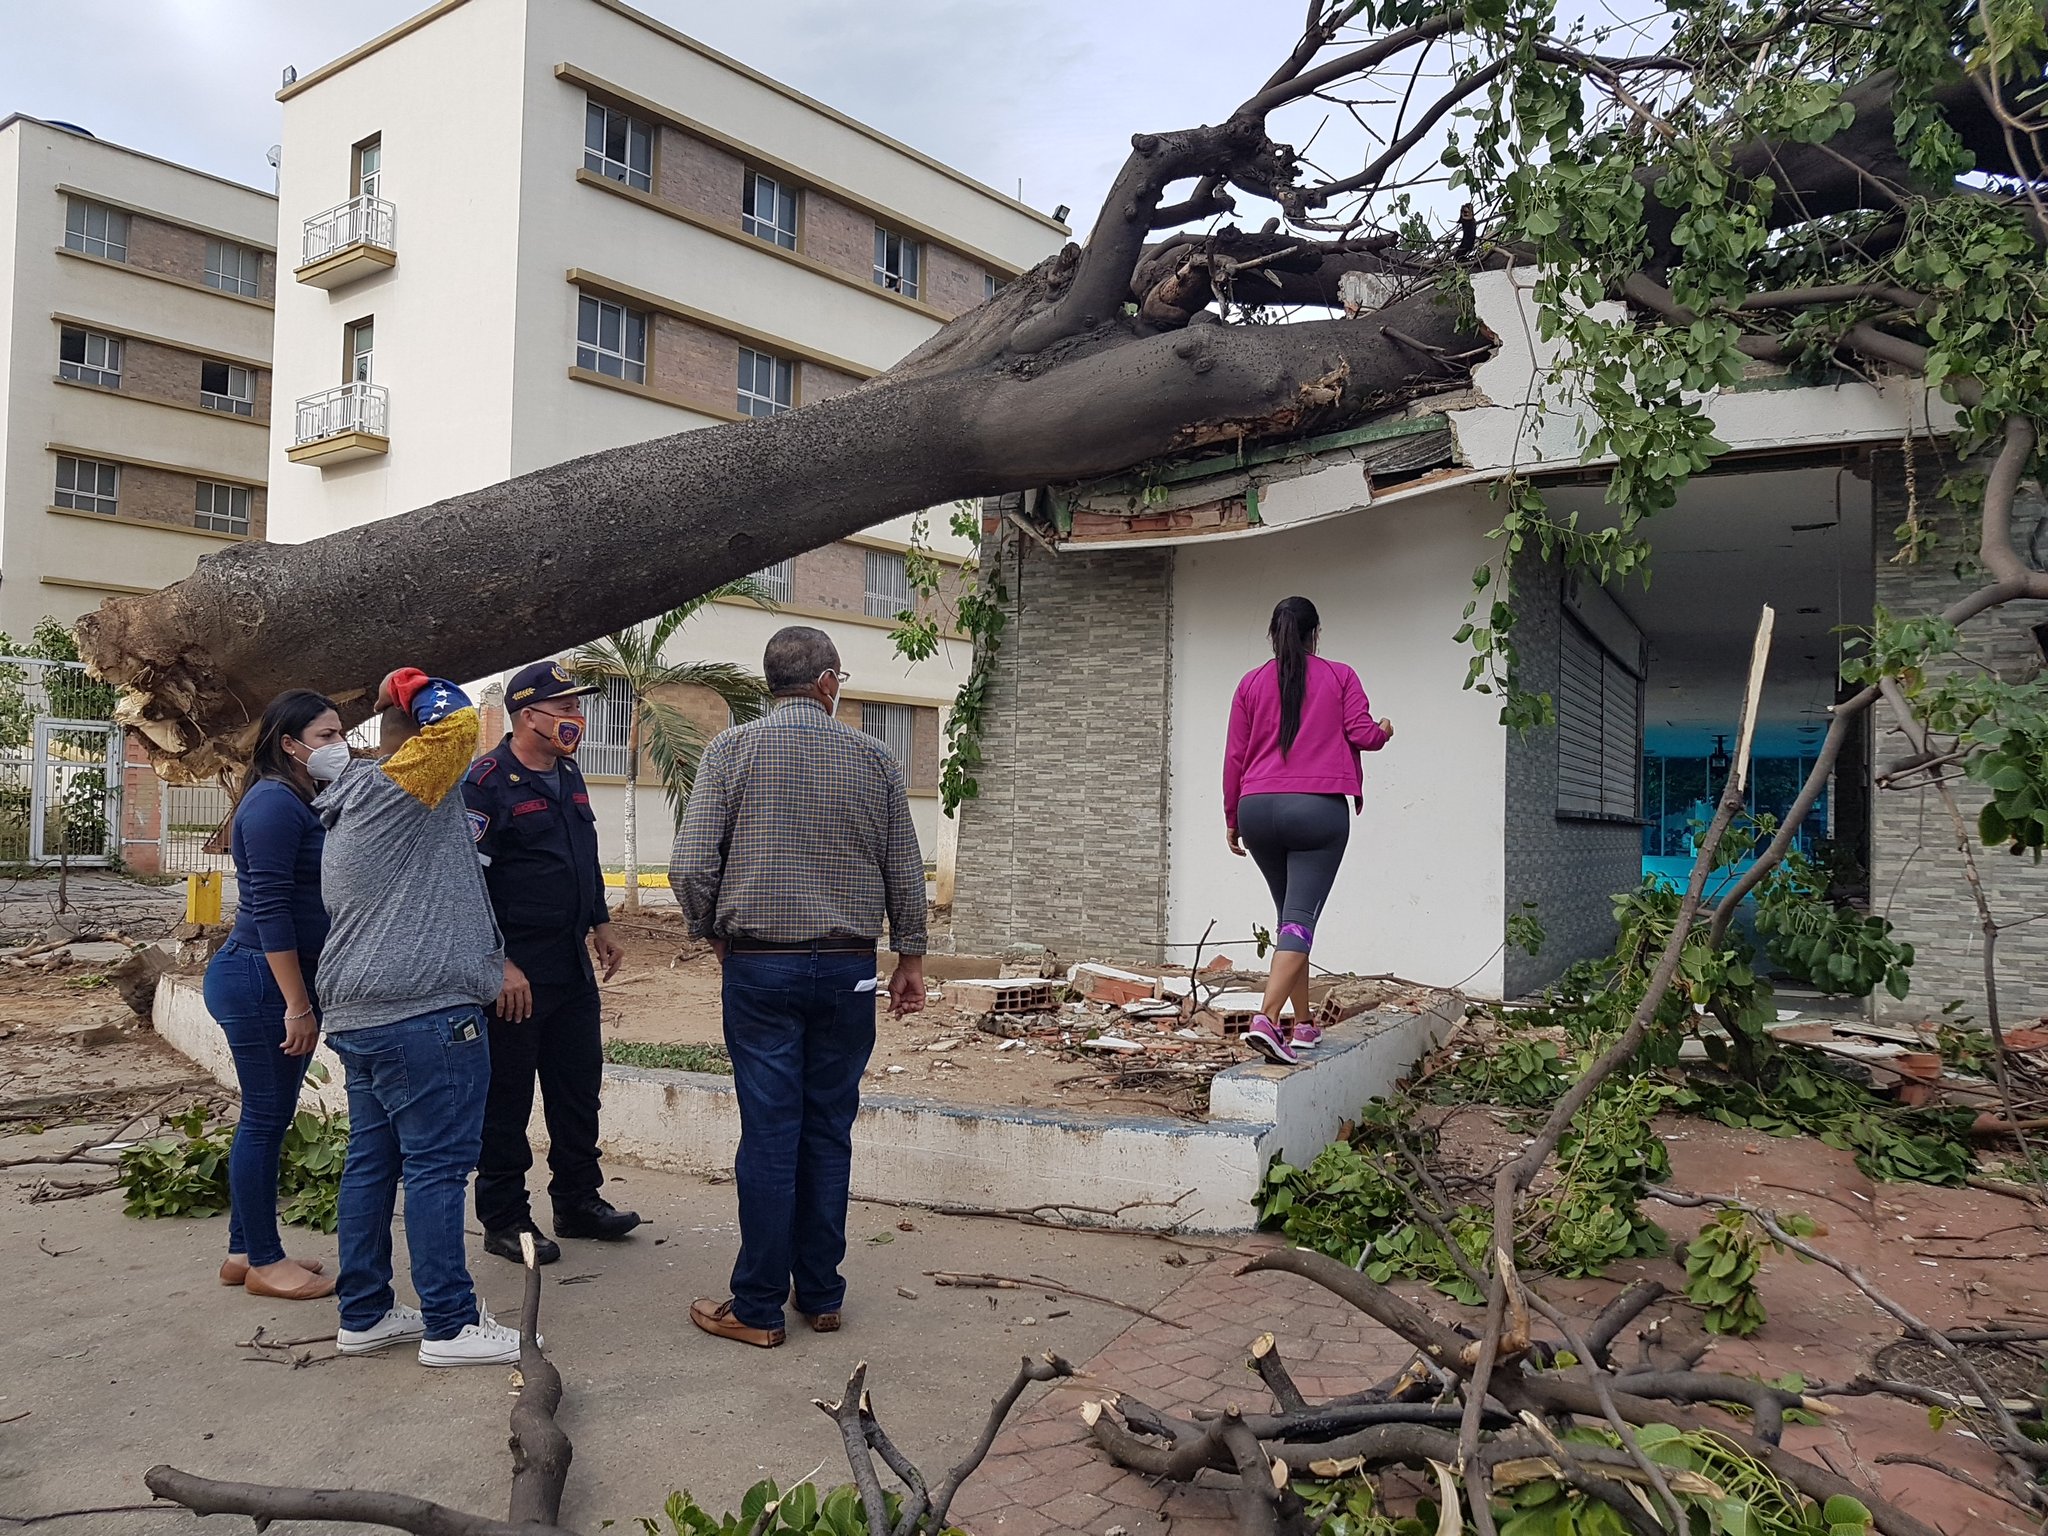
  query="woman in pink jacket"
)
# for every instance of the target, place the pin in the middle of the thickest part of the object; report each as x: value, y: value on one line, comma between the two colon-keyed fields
x: 1297, y: 726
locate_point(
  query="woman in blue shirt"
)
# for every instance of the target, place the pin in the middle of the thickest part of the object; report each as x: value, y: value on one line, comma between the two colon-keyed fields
x: 259, y: 986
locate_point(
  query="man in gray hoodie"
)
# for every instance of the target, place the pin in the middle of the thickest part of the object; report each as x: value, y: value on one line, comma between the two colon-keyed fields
x: 412, y: 960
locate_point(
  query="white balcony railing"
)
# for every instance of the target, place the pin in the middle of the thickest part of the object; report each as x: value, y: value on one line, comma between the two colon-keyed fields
x: 359, y: 221
x: 336, y: 412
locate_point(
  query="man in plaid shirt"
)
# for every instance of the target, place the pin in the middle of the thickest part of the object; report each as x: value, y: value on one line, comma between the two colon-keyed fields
x: 795, y: 844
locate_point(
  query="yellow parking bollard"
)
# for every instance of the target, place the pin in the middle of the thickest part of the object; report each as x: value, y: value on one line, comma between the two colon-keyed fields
x: 202, y: 899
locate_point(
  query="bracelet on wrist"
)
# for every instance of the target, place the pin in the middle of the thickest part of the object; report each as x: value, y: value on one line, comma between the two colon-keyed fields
x: 304, y: 1013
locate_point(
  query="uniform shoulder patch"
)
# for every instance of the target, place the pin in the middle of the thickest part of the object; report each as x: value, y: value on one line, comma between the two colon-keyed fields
x: 479, y: 824
x: 481, y: 770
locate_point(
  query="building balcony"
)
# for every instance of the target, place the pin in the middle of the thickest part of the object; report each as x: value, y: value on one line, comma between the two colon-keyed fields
x: 350, y: 421
x: 355, y: 240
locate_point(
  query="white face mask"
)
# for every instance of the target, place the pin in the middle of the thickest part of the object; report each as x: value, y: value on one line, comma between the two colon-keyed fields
x: 326, y: 763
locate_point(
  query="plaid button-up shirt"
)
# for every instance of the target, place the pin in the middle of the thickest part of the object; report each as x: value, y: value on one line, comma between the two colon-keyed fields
x: 798, y: 829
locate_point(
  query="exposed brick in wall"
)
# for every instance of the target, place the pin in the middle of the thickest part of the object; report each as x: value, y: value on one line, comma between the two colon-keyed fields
x: 924, y: 752
x: 815, y: 382
x: 156, y: 496
x: 702, y: 707
x: 1570, y: 869
x: 170, y: 248
x: 834, y: 577
x: 699, y: 176
x: 157, y: 372
x: 843, y: 238
x: 953, y: 284
x: 1917, y: 873
x: 1066, y: 845
x: 142, y: 814
x: 693, y: 363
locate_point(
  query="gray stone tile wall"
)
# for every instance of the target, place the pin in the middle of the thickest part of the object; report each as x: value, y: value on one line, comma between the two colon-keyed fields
x: 1570, y: 869
x: 1917, y: 872
x: 1066, y: 845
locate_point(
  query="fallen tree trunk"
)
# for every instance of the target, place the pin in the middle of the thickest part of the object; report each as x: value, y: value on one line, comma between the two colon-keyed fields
x: 488, y: 580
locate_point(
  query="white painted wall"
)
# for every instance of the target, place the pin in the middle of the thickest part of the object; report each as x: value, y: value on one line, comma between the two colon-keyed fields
x: 36, y: 282
x: 1422, y: 886
x: 447, y: 101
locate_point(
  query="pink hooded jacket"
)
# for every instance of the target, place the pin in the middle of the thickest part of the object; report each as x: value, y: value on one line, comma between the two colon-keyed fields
x: 1336, y: 725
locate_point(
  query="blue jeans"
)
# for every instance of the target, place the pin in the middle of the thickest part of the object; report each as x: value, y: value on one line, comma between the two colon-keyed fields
x: 416, y: 1093
x: 244, y: 999
x: 800, y: 1037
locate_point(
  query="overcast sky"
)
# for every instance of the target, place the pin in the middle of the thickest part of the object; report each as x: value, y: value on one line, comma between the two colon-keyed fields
x: 1048, y: 91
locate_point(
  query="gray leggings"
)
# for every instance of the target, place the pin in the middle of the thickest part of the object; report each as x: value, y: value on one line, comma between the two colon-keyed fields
x: 1297, y: 841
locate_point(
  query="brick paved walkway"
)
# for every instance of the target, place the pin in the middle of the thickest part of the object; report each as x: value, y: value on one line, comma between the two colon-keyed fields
x: 1045, y: 1474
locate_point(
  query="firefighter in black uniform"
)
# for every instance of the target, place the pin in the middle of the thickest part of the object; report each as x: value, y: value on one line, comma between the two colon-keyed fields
x: 529, y: 811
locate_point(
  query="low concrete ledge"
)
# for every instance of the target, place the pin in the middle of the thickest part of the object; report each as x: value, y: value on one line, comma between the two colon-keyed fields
x: 1151, y: 1172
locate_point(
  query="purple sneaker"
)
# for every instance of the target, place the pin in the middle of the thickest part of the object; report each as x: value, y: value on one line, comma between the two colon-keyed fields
x: 1304, y: 1037
x: 1262, y: 1037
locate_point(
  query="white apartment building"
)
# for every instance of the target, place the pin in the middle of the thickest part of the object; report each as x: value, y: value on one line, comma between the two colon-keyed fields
x: 135, y: 316
x: 526, y: 230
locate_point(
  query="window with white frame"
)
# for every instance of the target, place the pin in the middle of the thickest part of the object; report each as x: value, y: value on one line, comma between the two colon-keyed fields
x: 89, y: 485
x: 610, y: 722
x: 232, y: 268
x: 989, y: 285
x: 221, y: 508
x: 368, y: 171
x: 769, y: 210
x: 611, y: 339
x: 227, y: 387
x: 767, y: 383
x: 1599, y: 727
x: 89, y: 357
x: 618, y: 145
x: 895, y: 725
x: 775, y: 580
x: 888, y: 584
x: 95, y: 229
x: 896, y: 262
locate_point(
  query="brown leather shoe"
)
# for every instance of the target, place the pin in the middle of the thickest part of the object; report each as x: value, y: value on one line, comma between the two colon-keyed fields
x: 312, y: 1288
x: 716, y: 1317
x: 234, y: 1270
x: 822, y: 1322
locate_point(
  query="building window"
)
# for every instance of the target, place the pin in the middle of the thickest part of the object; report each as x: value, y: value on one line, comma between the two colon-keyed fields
x: 88, y: 484
x: 221, y: 508
x: 896, y: 261
x: 888, y: 584
x: 894, y: 725
x: 769, y: 210
x: 89, y: 357
x: 227, y: 387
x: 610, y: 718
x: 95, y: 229
x: 232, y: 268
x: 611, y: 339
x: 767, y: 383
x: 775, y: 580
x: 359, y: 350
x: 618, y: 146
x: 1599, y: 728
x: 988, y: 286
x: 367, y: 173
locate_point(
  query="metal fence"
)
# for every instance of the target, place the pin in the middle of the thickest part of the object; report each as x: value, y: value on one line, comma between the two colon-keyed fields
x: 195, y: 829
x: 60, y: 764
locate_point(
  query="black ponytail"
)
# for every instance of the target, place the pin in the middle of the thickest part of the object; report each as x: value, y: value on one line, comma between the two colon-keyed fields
x: 1293, y: 633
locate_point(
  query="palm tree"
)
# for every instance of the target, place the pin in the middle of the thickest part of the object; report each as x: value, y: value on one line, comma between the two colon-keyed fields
x: 634, y: 657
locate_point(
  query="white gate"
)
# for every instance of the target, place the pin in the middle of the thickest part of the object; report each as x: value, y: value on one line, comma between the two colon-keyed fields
x: 74, y: 788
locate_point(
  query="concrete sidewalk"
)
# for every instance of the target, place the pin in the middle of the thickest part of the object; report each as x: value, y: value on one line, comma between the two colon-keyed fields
x: 120, y: 1349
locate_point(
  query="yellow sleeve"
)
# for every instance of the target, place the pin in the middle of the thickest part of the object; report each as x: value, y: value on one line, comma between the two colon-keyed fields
x: 431, y: 764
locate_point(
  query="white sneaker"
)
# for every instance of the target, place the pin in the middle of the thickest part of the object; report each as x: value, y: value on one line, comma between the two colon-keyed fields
x: 483, y: 1342
x: 401, y: 1325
